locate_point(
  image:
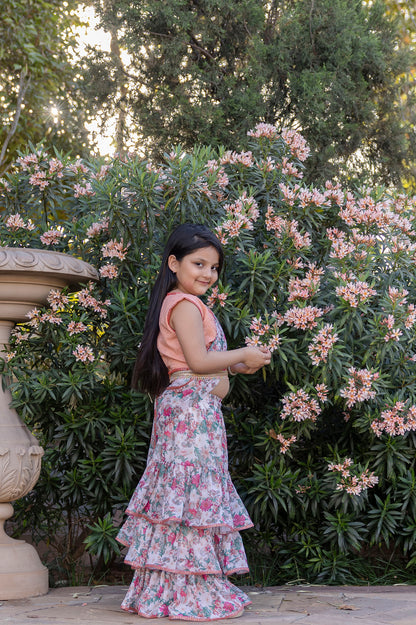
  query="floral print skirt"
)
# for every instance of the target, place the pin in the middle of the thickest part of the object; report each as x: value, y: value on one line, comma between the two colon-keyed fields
x: 182, y: 530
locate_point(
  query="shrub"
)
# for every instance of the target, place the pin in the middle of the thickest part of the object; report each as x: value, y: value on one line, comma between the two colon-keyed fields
x: 322, y: 443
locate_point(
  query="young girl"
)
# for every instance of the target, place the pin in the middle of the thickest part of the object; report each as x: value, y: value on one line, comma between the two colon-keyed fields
x: 184, y: 518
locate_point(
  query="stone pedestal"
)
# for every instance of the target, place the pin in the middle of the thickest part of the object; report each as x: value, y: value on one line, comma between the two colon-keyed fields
x: 26, y: 278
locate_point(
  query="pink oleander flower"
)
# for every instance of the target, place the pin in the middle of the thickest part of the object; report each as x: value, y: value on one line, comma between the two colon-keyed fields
x: 285, y: 443
x: 395, y: 421
x: 115, y: 249
x: 267, y: 164
x: 359, y: 387
x: 18, y: 336
x: 78, y: 167
x: 76, y: 327
x: 56, y: 300
x: 51, y: 237
x: 31, y: 159
x: 34, y: 316
x: 216, y: 296
x: 103, y: 171
x: 109, y: 271
x: 15, y: 222
x: 288, y: 169
x: 38, y: 179
x: 84, y: 353
x: 97, y: 227
x: 263, y: 130
x: 306, y: 287
x: 343, y: 468
x: 55, y: 167
x: 287, y: 227
x: 340, y: 247
x: 350, y: 483
x: 86, y: 300
x: 393, y: 335
x: 322, y: 343
x: 50, y: 318
x: 411, y: 317
x: 303, y: 318
x: 233, y: 158
x: 355, y: 292
x: 5, y: 184
x: 81, y: 191
x: 322, y: 392
x: 297, y: 144
x: 397, y: 296
x: 299, y: 406
x: 334, y: 192
x: 263, y: 334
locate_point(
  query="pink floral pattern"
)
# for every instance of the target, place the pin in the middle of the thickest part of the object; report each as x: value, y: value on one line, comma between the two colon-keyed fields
x: 182, y: 530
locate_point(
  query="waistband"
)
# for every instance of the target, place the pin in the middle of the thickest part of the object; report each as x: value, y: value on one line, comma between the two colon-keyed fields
x: 190, y: 374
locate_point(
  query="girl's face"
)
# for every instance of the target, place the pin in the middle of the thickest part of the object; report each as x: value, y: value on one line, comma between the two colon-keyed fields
x: 197, y: 271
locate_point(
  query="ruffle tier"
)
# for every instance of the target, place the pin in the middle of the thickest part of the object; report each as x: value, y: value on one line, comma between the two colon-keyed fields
x: 181, y: 549
x: 196, y: 496
x: 154, y: 594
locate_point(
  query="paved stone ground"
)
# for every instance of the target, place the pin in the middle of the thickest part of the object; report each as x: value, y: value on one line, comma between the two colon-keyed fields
x: 301, y: 605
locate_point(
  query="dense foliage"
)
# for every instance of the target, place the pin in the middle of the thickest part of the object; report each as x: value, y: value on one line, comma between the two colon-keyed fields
x: 39, y: 97
x: 322, y: 443
x: 205, y: 72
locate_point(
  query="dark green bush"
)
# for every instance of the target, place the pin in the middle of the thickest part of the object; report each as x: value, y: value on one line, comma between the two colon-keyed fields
x: 322, y: 443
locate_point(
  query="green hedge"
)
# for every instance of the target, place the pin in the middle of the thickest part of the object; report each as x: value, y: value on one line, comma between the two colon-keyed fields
x: 322, y: 443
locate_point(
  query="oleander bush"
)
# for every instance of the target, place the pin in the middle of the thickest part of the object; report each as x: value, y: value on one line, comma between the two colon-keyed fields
x: 321, y: 443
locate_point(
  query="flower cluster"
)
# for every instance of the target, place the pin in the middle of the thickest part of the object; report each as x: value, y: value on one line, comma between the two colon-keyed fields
x: 305, y: 288
x: 355, y: 292
x: 81, y: 191
x: 97, y: 227
x: 349, y: 482
x: 115, y: 249
x: 264, y: 130
x: 241, y: 215
x: 263, y: 333
x: 299, y: 406
x: 359, y: 387
x: 285, y: 443
x: 84, y: 353
x: 52, y: 237
x: 86, y: 299
x: 15, y: 222
x: 287, y: 227
x: 56, y: 300
x: 216, y: 296
x: 303, y: 318
x: 395, y: 421
x: 297, y: 144
x: 237, y: 158
x: 322, y: 343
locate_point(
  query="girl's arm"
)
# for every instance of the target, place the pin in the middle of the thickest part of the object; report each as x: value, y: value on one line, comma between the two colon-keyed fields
x: 186, y: 321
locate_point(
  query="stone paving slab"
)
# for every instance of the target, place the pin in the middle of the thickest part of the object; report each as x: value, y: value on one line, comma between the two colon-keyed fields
x: 280, y: 605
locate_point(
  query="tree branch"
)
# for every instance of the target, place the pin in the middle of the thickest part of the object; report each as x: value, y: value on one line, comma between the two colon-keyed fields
x: 23, y: 85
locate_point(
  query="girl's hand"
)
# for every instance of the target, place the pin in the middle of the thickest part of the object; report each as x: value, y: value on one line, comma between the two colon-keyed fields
x: 255, y: 358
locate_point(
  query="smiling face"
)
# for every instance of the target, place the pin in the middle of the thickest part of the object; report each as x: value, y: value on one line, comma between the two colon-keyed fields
x: 197, y: 271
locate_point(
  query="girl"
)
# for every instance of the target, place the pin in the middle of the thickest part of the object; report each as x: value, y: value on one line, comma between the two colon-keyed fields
x: 184, y: 518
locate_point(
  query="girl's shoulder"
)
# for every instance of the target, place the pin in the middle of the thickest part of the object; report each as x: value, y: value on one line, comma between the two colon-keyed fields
x: 174, y: 297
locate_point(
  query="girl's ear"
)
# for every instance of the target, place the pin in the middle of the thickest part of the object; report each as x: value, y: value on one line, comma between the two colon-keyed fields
x: 172, y: 263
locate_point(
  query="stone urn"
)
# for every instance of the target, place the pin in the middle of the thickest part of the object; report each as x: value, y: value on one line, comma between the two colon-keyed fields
x: 26, y: 278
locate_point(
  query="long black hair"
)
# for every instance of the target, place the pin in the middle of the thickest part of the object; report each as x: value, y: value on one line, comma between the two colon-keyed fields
x: 150, y: 373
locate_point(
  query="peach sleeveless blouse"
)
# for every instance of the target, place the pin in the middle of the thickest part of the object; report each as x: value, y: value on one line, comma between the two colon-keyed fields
x: 167, y: 342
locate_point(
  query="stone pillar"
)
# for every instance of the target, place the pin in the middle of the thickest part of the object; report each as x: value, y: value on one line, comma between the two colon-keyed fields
x: 21, y: 572
x: 26, y: 278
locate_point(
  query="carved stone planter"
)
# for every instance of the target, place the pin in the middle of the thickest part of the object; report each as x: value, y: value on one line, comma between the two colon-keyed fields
x: 26, y: 278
